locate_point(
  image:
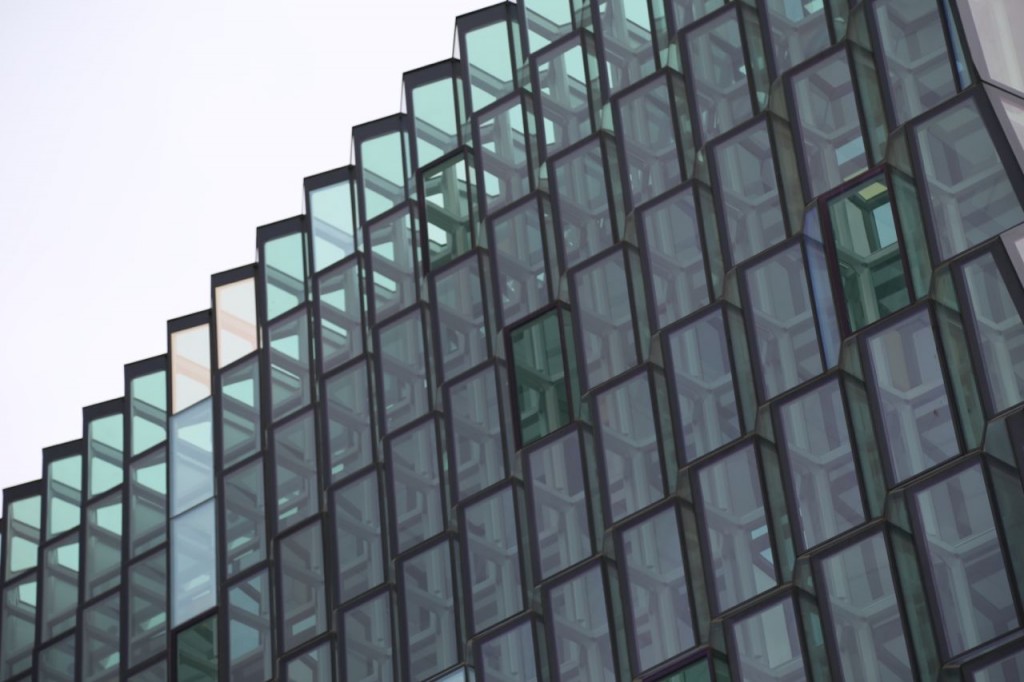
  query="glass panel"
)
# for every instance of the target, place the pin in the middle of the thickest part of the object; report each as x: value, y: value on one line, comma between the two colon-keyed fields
x: 154, y: 673
x: 198, y: 652
x: 768, y: 645
x: 332, y: 218
x: 191, y: 457
x: 720, y: 79
x: 240, y: 412
x: 382, y: 164
x: 349, y: 421
x: 996, y: 51
x: 581, y: 197
x: 917, y: 423
x: 193, y: 563
x: 546, y: 21
x: 1008, y: 669
x: 245, y: 525
x: 625, y: 30
x: 105, y: 453
x: 489, y: 63
x: 284, y: 272
x: 540, y: 377
x: 968, y: 570
x: 509, y: 656
x: 436, y: 118
x: 357, y: 528
x: 289, y: 364
x: 797, y: 31
x: 659, y: 616
x: 503, y: 142
x: 686, y: 12
x: 148, y: 406
x: 57, y: 662
x: 250, y: 642
x: 59, y: 597
x: 341, y: 314
x: 367, y: 638
x: 18, y: 631
x: 492, y: 554
x: 648, y: 134
x: 449, y: 204
x: 418, y: 508
x: 190, y: 367
x: 147, y: 502
x: 303, y: 597
x: 579, y: 626
x: 101, y: 639
x: 315, y: 665
x: 517, y: 249
x: 864, y: 617
x: 461, y: 321
x: 474, y: 407
x: 295, y: 471
x: 428, y: 621
x: 103, y: 528
x: 147, y: 607
x: 565, y: 85
x: 392, y: 263
x: 605, y: 323
x: 735, y: 520
x: 63, y: 495
x: 235, y: 313
x: 403, y: 357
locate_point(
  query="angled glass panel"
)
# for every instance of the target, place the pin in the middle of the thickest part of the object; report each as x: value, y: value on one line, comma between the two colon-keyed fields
x: 732, y: 511
x: 284, y: 273
x: 436, y: 110
x: 649, y: 134
x: 449, y: 203
x: 418, y: 508
x: 101, y: 639
x: 59, y: 596
x: 57, y: 662
x: 546, y: 21
x: 154, y: 673
x: 63, y: 495
x: 461, y: 318
x: 357, y: 536
x: 796, y: 31
x: 190, y: 367
x: 581, y: 197
x: 296, y: 470
x: 540, y: 377
x: 147, y: 502
x: 235, y: 312
x: 509, y: 656
x: 580, y: 629
x: 245, y: 524
x: 565, y: 82
x: 193, y: 563
x: 768, y: 645
x: 490, y: 63
x: 303, y: 598
x: 340, y: 302
x: 147, y: 608
x: 198, y: 652
x: 103, y: 528
x: 477, y: 430
x: 1008, y: 669
x: 18, y: 627
x: 367, y: 641
x: 240, y: 412
x: 148, y: 406
x: 105, y: 444
x: 916, y: 418
x: 995, y: 49
x: 332, y: 217
x: 605, y: 319
x: 191, y: 457
x: 428, y: 620
x: 492, y: 552
x: 520, y: 264
x: 686, y: 12
x: 392, y: 263
x: 402, y: 359
x: 289, y: 364
x: 382, y: 166
x: 659, y: 616
x: 503, y: 141
x: 349, y: 421
x: 314, y: 665
x: 250, y: 642
x: 625, y: 30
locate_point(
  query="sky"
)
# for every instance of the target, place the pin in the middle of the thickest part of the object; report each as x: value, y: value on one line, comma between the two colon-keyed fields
x: 141, y: 145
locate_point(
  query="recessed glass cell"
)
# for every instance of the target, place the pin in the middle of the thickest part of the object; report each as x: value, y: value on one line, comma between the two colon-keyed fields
x: 748, y: 192
x: 367, y: 641
x: 240, y: 412
x: 827, y: 123
x: 449, y: 204
x: 968, y: 192
x: 148, y: 406
x: 492, y: 554
x: 340, y: 307
x: 303, y: 599
x: 652, y: 141
x: 504, y: 144
x: 357, y: 536
x: 489, y: 63
x: 191, y: 457
x: 245, y: 524
x: 785, y: 330
x: 437, y: 114
x: 519, y: 261
x: 508, y: 655
x: 314, y: 665
x: 349, y: 421
x: 659, y: 616
x: 235, y: 312
x: 629, y: 446
x: 57, y: 662
x: 63, y: 495
x: 105, y: 445
x: 284, y: 273
x: 147, y: 608
x: 193, y: 563
x: 819, y: 455
x: 864, y: 617
x: 428, y: 621
x: 994, y: 320
x: 869, y: 252
x: 102, y: 545
x: 332, y: 217
x: 916, y: 418
x: 740, y: 557
x: 566, y: 83
x: 23, y: 528
x: 59, y: 596
x: 250, y: 640
x: 198, y: 652
x: 18, y: 627
x: 477, y: 428
x: 797, y: 31
x: 404, y: 392
x: 706, y: 405
x: 461, y: 317
x: 296, y: 470
x: 415, y: 475
x: 583, y: 201
x: 605, y: 323
x: 382, y: 166
x: 578, y: 618
x: 625, y: 30
x: 101, y: 639
x: 542, y: 395
x: 768, y: 645
x: 963, y: 554
x: 190, y: 366
x: 392, y: 263
x: 289, y: 364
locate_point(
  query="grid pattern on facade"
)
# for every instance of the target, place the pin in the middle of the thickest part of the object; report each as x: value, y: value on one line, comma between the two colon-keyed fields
x: 661, y: 340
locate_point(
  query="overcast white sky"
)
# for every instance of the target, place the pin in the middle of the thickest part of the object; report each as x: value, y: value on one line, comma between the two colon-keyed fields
x: 141, y: 144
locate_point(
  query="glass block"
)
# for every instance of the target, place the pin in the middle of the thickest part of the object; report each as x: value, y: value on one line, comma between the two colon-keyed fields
x: 906, y: 373
x: 768, y: 644
x: 503, y: 139
x: 147, y: 502
x: 240, y: 412
x: 314, y: 665
x: 59, y: 596
x: 303, y: 599
x: 193, y: 563
x: 659, y: 617
x: 734, y: 518
x: 392, y: 263
x: 296, y: 470
x: 796, y: 31
x: 102, y: 545
x: 870, y: 254
x: 520, y: 264
x: 864, y: 617
x: 461, y: 317
x: 624, y: 27
x: 962, y: 551
x: 566, y: 82
x: 148, y: 407
x: 403, y: 389
x: 105, y: 451
x: 147, y: 608
x: 417, y: 499
x: 357, y: 536
x: 349, y: 421
x: 332, y: 220
x: 190, y: 462
x: 57, y: 662
x: 489, y: 62
x: 190, y: 368
x: 245, y: 524
x: 672, y: 246
x: 492, y: 554
x: 250, y: 639
x: 707, y: 408
x: 629, y: 447
x: 289, y: 354
x: 428, y: 622
x: 449, y: 196
x: 381, y: 160
x: 198, y: 652
x: 63, y: 495
x: 557, y: 493
x: 235, y: 312
x: 748, y: 192
x: 580, y: 629
x: 477, y: 429
x: 367, y: 641
x: 508, y: 655
x: 542, y: 396
x: 101, y: 639
x: 958, y: 156
x: 437, y: 115
x: 606, y: 329
x: 818, y: 452
x: 581, y: 196
x: 340, y: 308
x: 284, y: 273
x: 18, y: 627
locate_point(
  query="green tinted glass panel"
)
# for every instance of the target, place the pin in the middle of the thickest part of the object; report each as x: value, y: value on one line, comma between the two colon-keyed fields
x: 59, y: 598
x: 63, y: 495
x: 249, y: 632
x: 148, y: 407
x: 147, y: 607
x: 106, y: 453
x: 284, y: 272
x: 198, y: 652
x: 333, y: 219
x: 540, y: 377
x: 240, y: 411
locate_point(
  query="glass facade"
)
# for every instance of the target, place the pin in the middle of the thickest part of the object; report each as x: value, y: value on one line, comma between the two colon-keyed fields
x: 655, y: 340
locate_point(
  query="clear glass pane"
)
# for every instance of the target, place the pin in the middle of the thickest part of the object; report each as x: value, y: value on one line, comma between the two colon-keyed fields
x: 289, y: 364
x: 477, y: 433
x: 235, y: 312
x: 105, y: 444
x: 250, y: 640
x: 509, y: 656
x: 190, y: 366
x: 240, y: 412
x: 428, y: 618
x: 332, y: 216
x: 340, y: 299
x: 102, y: 543
x: 245, y: 525
x: 461, y: 318
x: 284, y: 273
x: 191, y: 457
x: 148, y: 406
x: 303, y: 597
x: 63, y: 495
x: 579, y: 626
x: 648, y: 134
x: 101, y: 639
x: 147, y: 502
x: 59, y: 596
x: 605, y: 319
x: 198, y: 652
x: 394, y: 248
x: 540, y: 377
x: 403, y: 370
x: 18, y: 627
x: 517, y: 250
x: 193, y: 563
x: 367, y: 641
x: 581, y: 197
x: 768, y: 645
x: 296, y: 470
x: 358, y: 541
x: 350, y: 438
x: 416, y: 485
x: 492, y: 553
x: 503, y: 142
x: 147, y: 608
